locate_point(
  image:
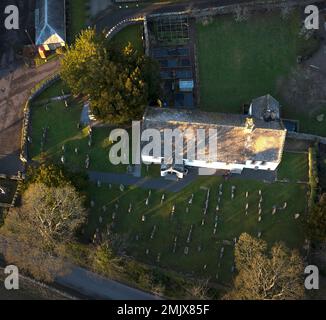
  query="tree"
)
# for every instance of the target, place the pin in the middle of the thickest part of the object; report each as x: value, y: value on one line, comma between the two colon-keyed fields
x: 38, y: 231
x: 263, y: 276
x: 316, y: 224
x: 199, y: 291
x: 53, y: 175
x: 117, y: 83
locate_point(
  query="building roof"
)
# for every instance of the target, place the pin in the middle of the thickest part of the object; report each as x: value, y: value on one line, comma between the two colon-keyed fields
x: 239, y: 138
x: 50, y: 22
x: 186, y: 85
x: 265, y: 107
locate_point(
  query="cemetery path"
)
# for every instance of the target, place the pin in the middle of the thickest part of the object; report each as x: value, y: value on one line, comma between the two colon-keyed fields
x: 145, y: 182
x: 98, y: 287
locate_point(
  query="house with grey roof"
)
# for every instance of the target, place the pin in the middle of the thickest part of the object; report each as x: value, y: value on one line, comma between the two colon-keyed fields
x: 239, y: 141
x: 50, y: 24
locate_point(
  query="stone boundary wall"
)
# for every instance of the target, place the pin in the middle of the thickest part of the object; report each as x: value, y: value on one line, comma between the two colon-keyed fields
x: 27, y: 112
x: 227, y: 9
x: 306, y: 137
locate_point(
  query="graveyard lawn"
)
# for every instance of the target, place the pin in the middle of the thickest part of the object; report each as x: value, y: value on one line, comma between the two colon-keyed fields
x: 294, y: 167
x: 239, y: 61
x: 63, y: 131
x: 232, y: 221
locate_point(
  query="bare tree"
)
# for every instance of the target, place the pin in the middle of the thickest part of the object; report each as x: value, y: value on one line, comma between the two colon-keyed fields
x: 36, y: 233
x: 263, y: 276
x: 199, y: 291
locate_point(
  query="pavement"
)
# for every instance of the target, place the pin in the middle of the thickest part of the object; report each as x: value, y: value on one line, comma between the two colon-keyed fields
x: 15, y: 88
x: 113, y: 15
x: 97, y: 287
x: 145, y: 182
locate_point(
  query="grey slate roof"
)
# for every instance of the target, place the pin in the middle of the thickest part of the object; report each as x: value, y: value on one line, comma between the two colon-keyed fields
x: 265, y: 107
x: 236, y: 143
x: 50, y: 22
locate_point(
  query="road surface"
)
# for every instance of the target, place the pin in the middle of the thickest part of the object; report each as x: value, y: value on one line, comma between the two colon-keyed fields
x: 97, y: 287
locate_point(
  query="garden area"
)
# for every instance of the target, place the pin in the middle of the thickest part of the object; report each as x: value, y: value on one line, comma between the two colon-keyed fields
x: 239, y: 61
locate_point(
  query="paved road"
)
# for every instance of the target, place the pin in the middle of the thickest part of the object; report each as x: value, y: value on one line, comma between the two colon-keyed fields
x: 86, y: 284
x: 145, y: 183
x: 97, y: 287
x: 114, y: 15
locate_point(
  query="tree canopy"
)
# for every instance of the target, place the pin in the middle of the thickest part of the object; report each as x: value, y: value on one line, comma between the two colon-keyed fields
x: 37, y: 231
x: 119, y: 84
x: 317, y: 221
x: 263, y: 275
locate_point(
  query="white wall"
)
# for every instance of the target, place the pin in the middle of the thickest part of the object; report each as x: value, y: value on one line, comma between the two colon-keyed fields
x: 219, y: 165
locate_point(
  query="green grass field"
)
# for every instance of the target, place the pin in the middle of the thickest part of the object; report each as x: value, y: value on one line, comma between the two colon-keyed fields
x: 62, y: 123
x: 132, y: 34
x: 78, y: 16
x: 294, y: 167
x: 232, y: 221
x: 239, y: 61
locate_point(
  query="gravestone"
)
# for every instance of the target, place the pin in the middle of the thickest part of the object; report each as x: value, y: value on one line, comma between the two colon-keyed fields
x: 153, y: 232
x: 191, y: 199
x: 190, y: 234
